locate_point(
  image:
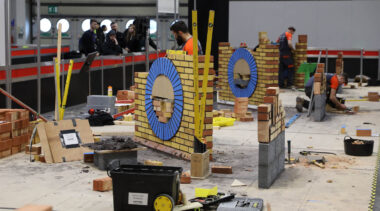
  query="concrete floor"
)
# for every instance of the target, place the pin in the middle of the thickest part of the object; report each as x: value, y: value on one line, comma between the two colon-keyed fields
x: 66, y: 186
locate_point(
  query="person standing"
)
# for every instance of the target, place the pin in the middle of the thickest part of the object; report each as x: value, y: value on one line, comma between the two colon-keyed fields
x: 87, y: 43
x: 100, y: 37
x: 184, y: 38
x: 286, y: 69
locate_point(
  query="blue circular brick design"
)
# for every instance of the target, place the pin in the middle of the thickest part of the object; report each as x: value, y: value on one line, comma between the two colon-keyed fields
x: 164, y: 131
x: 242, y: 53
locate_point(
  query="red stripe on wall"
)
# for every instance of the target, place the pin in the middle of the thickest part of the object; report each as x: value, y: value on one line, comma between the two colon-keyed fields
x: 18, y: 73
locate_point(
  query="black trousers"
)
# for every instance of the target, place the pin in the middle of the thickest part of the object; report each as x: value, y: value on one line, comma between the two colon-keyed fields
x: 286, y: 70
x: 308, y: 90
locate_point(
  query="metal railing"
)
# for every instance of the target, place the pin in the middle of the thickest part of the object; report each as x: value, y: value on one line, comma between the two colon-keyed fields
x: 123, y: 61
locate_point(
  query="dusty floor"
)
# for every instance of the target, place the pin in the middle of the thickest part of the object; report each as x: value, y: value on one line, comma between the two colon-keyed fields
x: 66, y: 186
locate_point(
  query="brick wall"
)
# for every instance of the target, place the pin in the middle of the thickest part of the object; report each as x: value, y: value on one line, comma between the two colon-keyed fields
x: 181, y: 144
x: 14, y: 131
x: 267, y: 62
x: 300, y: 57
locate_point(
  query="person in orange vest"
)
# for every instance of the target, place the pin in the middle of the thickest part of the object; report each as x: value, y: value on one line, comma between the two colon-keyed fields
x: 286, y: 70
x: 184, y: 38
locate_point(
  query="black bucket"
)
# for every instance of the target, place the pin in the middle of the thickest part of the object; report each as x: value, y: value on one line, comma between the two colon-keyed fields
x: 365, y: 149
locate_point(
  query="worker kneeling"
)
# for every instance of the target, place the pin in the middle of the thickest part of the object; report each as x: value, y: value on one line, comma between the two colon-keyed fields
x: 333, y: 81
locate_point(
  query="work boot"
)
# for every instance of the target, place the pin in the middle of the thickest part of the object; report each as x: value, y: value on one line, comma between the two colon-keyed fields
x: 299, y: 104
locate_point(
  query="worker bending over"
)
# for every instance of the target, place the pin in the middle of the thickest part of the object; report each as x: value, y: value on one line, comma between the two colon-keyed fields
x: 286, y: 70
x: 333, y: 81
x: 184, y: 38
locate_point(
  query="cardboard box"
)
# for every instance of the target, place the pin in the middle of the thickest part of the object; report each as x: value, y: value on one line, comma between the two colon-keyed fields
x: 200, y: 164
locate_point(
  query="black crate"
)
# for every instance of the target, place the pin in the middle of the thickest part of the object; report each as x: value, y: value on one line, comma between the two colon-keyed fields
x: 135, y: 187
x: 365, y: 149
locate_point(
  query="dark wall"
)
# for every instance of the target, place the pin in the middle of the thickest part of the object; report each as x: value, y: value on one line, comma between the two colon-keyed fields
x: 220, y: 33
x: 26, y: 91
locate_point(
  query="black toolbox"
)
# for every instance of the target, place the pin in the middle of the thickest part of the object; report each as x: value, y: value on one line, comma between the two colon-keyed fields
x: 135, y: 187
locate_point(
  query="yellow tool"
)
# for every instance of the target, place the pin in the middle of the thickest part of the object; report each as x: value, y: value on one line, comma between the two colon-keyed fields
x: 199, y: 107
x: 58, y: 89
x: 67, y: 85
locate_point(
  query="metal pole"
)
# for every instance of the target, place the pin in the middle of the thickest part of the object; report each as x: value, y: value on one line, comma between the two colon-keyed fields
x: 89, y: 81
x: 38, y: 57
x: 147, y: 51
x: 327, y: 61
x: 157, y: 21
x: 124, y: 74
x: 102, y: 76
x: 195, y: 4
x: 133, y: 69
x: 8, y: 60
x: 175, y: 9
x: 361, y: 66
x: 378, y: 67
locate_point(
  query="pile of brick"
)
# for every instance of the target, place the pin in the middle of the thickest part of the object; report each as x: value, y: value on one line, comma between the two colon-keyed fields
x: 339, y: 63
x: 125, y: 98
x: 241, y: 110
x: 163, y: 109
x: 271, y: 137
x: 267, y: 62
x: 373, y: 96
x: 319, y: 90
x: 14, y: 131
x: 182, y: 144
x: 300, y: 57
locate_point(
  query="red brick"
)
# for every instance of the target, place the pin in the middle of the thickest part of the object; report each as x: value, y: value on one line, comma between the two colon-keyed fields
x: 102, y: 184
x: 321, y: 65
x: 207, y: 132
x: 263, y: 116
x: 272, y: 91
x: 5, y: 144
x: 221, y: 169
x: 185, y: 178
x: 202, y: 58
x: 246, y: 119
x: 269, y: 99
x: 208, y: 120
x: 209, y: 145
x: 363, y: 132
x: 16, y: 149
x: 5, y: 127
x: 31, y: 207
x: 302, y: 38
x: 224, y: 44
x: 209, y: 108
x: 88, y: 157
x: 264, y: 108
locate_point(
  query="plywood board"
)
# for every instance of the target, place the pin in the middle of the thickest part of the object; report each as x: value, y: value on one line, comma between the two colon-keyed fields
x: 162, y: 87
x: 51, y: 144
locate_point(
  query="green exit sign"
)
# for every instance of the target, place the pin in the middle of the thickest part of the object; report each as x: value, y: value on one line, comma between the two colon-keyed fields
x: 52, y: 9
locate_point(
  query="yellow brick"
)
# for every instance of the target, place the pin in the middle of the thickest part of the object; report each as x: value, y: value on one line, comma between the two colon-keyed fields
x: 177, y: 63
x: 184, y: 76
x: 138, y: 112
x: 180, y: 57
x: 188, y: 95
x: 191, y: 114
x: 209, y: 114
x: 138, y: 134
x: 184, y: 148
x: 191, y: 126
x: 189, y: 58
x: 189, y: 107
x: 179, y: 141
x: 209, y: 127
x: 209, y: 102
x: 188, y: 101
x: 208, y: 138
x: 191, y: 150
x: 184, y: 124
x: 189, y: 70
x: 181, y: 129
x: 180, y: 69
x: 143, y: 75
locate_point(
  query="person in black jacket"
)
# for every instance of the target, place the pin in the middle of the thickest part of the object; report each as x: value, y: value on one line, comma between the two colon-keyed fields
x: 119, y: 35
x: 112, y: 46
x: 100, y: 38
x: 87, y: 43
x: 135, y: 43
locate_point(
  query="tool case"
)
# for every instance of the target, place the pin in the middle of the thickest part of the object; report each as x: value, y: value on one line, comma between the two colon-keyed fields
x: 242, y: 204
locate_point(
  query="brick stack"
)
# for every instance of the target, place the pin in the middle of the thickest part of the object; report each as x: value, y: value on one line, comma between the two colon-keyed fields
x: 267, y: 61
x: 241, y: 110
x: 271, y: 137
x: 182, y: 144
x: 225, y: 53
x: 319, y: 89
x: 300, y: 57
x: 163, y: 109
x: 373, y: 96
x: 125, y: 95
x: 339, y: 63
x: 14, y: 131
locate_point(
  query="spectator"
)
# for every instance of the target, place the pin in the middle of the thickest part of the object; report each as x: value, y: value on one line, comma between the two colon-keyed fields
x: 100, y: 37
x: 87, y: 43
x: 111, y: 46
x: 119, y: 35
x: 140, y: 26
